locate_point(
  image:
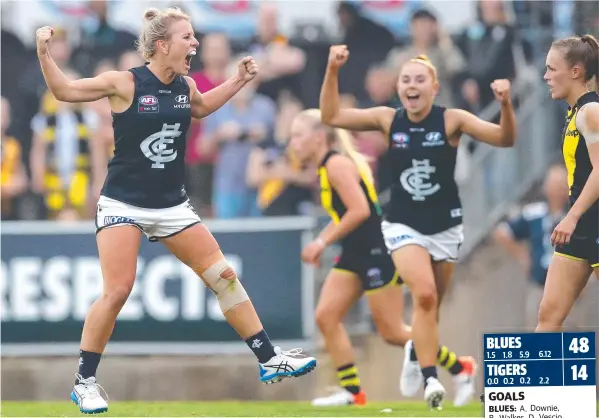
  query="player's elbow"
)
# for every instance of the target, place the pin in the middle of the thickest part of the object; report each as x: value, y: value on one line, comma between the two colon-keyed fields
x: 66, y: 93
x: 61, y: 94
x: 499, y: 234
x: 361, y: 214
x: 509, y: 140
x: 326, y: 117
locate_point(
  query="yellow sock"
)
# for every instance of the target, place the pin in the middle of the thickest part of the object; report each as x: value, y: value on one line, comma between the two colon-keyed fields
x: 348, y: 378
x: 449, y: 360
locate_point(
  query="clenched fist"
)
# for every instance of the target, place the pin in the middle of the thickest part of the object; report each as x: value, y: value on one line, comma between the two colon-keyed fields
x: 248, y: 69
x: 501, y: 90
x: 42, y: 39
x: 338, y: 56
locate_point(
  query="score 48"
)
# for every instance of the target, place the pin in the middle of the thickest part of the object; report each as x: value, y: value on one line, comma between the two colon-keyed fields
x: 579, y: 345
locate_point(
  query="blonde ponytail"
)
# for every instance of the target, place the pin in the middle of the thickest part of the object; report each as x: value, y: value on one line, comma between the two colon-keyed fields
x: 345, y: 143
x: 347, y: 148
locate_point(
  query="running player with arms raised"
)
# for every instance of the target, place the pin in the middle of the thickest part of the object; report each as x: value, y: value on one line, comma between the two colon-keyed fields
x: 423, y: 221
x: 364, y: 267
x: 152, y: 108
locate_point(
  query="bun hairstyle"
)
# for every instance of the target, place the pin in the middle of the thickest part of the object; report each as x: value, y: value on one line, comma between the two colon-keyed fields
x: 156, y: 28
x: 582, y: 50
x: 344, y: 140
x: 424, y: 60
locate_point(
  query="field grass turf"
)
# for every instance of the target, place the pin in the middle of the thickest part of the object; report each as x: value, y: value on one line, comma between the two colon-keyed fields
x: 236, y: 409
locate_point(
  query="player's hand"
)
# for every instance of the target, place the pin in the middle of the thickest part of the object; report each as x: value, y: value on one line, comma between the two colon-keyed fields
x: 564, y: 230
x: 312, y: 252
x: 338, y: 55
x: 248, y: 68
x: 42, y: 39
x: 501, y: 90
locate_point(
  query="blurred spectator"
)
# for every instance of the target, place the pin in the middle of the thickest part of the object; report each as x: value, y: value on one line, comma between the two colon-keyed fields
x: 62, y: 155
x: 103, y: 135
x: 13, y: 51
x: 527, y: 236
x: 284, y: 187
x: 234, y: 129
x: 380, y: 85
x: 99, y: 39
x: 14, y: 180
x: 368, y: 43
x: 32, y: 85
x: 488, y: 47
x: 586, y: 17
x: 215, y: 56
x: 429, y: 39
x: 280, y: 63
x: 129, y: 59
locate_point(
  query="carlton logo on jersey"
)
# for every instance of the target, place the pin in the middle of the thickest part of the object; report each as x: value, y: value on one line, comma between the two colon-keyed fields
x: 156, y: 146
x: 415, y: 180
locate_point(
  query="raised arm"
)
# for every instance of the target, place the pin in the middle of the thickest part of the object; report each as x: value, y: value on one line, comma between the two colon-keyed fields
x: 502, y: 135
x: 203, y: 105
x: 72, y: 91
x: 373, y: 119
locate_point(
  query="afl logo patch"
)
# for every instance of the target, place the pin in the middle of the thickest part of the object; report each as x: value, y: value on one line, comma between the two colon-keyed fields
x: 181, y: 98
x: 148, y: 100
x: 148, y: 104
x: 400, y: 140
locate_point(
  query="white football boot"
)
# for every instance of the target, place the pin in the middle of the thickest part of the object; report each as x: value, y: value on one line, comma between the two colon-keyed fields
x: 285, y: 364
x: 87, y: 397
x: 434, y: 393
x: 411, y: 376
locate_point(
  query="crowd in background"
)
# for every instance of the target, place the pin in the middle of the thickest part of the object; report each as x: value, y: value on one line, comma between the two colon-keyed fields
x: 54, y: 155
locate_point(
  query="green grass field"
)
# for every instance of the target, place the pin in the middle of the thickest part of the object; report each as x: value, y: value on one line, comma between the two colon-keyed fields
x: 236, y: 409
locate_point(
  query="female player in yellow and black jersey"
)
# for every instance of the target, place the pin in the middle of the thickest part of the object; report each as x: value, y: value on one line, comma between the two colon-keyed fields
x: 364, y: 266
x: 572, y: 63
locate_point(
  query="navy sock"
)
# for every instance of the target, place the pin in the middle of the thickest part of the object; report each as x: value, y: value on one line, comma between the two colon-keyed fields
x: 429, y: 372
x: 88, y: 363
x: 261, y: 346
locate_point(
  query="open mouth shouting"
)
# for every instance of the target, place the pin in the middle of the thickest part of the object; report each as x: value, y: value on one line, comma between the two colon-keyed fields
x: 188, y: 58
x: 413, y: 98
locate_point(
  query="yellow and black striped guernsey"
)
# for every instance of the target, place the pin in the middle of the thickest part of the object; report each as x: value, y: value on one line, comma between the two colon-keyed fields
x: 368, y: 234
x: 576, y: 154
x: 584, y: 244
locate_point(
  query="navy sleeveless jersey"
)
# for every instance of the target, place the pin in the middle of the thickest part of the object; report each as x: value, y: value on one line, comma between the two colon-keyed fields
x: 421, y: 162
x: 148, y: 168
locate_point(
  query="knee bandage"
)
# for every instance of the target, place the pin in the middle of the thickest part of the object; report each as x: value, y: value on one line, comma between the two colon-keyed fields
x: 229, y: 293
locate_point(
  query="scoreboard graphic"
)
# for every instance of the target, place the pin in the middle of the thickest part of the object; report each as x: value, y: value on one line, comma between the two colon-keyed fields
x: 540, y: 375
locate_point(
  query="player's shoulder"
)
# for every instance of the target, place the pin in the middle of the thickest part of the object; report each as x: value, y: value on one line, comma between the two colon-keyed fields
x: 117, y: 75
x: 339, y: 166
x: 535, y: 210
x: 338, y: 161
x: 190, y: 82
x: 588, y: 111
